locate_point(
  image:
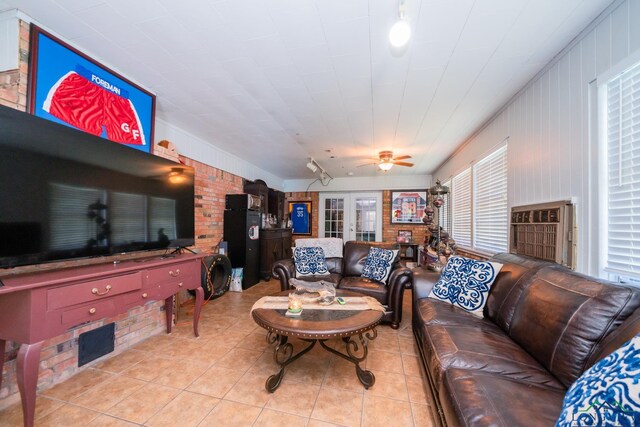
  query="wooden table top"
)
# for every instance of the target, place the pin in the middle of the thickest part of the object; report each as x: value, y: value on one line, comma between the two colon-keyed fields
x: 318, y: 324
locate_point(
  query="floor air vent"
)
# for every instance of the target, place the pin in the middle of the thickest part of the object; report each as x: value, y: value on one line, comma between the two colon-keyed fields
x: 96, y: 343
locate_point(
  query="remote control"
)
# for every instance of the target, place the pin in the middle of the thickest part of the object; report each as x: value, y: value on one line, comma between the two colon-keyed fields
x: 341, y: 301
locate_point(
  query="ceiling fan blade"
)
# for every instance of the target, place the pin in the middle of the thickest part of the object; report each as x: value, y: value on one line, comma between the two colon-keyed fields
x: 402, y: 157
x: 403, y: 164
x: 366, y: 164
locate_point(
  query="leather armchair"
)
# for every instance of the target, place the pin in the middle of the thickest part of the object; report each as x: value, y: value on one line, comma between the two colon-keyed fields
x: 346, y: 273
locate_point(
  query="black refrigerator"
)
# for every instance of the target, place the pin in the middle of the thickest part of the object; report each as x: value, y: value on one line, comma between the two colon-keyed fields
x: 242, y: 234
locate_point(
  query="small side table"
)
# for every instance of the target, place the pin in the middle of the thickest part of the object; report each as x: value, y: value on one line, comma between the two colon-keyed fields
x: 409, y: 252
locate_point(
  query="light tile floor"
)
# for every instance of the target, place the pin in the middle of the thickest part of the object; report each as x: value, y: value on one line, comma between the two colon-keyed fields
x: 218, y: 380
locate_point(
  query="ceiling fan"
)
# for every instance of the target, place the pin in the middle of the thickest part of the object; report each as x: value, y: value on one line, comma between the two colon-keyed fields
x: 385, y: 161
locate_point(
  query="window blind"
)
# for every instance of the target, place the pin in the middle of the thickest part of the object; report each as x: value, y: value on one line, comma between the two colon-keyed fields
x: 461, y: 208
x: 128, y: 218
x: 163, y: 218
x: 490, y: 202
x: 623, y: 173
x: 71, y: 226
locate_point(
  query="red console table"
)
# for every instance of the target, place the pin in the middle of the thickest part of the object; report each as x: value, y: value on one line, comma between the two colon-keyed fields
x: 38, y: 306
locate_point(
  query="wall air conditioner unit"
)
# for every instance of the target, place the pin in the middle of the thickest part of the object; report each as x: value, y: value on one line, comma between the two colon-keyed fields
x: 546, y: 231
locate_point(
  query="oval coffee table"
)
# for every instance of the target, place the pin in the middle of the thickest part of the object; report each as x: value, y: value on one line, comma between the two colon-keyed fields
x: 355, y: 327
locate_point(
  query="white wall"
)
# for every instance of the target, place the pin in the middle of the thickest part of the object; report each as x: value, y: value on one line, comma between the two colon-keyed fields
x: 552, y: 134
x: 368, y: 183
x: 198, y: 149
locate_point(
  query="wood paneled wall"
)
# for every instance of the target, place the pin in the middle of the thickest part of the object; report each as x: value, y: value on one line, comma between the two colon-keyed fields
x: 552, y: 130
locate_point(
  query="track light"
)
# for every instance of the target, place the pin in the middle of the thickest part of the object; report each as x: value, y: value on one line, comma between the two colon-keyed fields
x: 312, y: 165
x: 400, y: 32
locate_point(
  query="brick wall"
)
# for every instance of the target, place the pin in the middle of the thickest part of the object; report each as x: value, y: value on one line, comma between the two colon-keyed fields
x: 389, y: 231
x: 211, y: 185
x: 314, y: 198
x: 13, y: 83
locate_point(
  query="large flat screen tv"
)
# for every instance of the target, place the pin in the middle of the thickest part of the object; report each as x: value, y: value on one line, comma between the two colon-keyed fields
x: 66, y: 194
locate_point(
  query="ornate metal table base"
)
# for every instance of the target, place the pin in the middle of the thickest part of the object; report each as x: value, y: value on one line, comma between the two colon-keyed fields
x: 356, y: 347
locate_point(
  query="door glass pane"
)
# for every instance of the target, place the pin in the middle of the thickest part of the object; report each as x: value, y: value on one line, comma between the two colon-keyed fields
x: 365, y: 219
x: 333, y: 215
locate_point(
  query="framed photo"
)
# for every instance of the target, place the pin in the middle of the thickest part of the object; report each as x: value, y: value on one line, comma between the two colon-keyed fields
x: 300, y: 213
x: 407, y: 207
x: 404, y: 236
x: 68, y: 87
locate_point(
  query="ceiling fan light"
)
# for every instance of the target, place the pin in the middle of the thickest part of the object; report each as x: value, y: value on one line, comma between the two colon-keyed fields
x: 400, y: 33
x: 385, y: 166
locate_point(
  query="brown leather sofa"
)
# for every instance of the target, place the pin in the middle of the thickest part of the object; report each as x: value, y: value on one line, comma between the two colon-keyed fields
x: 345, y: 273
x: 543, y: 326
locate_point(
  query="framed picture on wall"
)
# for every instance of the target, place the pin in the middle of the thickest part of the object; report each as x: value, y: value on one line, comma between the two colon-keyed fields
x: 404, y: 236
x: 68, y: 87
x: 300, y: 214
x: 407, y: 207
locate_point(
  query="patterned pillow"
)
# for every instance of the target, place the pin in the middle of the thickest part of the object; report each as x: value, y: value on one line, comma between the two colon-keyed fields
x: 310, y: 262
x: 465, y: 283
x: 608, y: 393
x: 378, y: 264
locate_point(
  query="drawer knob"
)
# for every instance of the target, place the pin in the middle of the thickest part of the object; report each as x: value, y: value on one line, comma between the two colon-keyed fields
x: 180, y: 284
x: 92, y: 311
x: 175, y: 273
x: 145, y: 295
x: 95, y: 291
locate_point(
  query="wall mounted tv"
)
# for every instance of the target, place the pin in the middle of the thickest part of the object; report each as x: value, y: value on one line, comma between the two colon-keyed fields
x: 66, y: 194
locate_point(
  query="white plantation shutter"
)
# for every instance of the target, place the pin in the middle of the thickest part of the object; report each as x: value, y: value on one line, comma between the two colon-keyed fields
x: 461, y: 208
x: 623, y: 173
x: 490, y: 202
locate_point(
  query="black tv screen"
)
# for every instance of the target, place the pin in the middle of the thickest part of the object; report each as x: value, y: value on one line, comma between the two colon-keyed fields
x: 66, y: 194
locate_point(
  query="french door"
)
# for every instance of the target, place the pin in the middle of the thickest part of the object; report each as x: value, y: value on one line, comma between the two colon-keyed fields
x: 351, y: 216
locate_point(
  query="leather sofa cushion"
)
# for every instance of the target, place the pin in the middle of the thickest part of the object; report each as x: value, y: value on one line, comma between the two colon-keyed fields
x: 334, y: 278
x: 482, y: 399
x: 355, y: 254
x: 514, y: 269
x: 481, y: 349
x: 334, y: 265
x: 562, y: 315
x: 616, y: 339
x: 435, y: 312
x: 366, y: 286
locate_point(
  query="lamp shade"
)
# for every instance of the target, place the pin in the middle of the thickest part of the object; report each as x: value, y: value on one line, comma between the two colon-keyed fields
x: 385, y: 166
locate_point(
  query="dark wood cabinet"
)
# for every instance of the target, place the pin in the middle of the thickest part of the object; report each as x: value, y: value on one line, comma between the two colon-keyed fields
x: 276, y: 205
x: 275, y: 244
x: 259, y: 188
x: 409, y: 252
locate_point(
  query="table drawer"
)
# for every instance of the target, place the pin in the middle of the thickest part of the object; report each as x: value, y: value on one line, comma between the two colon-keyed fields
x: 171, y: 288
x: 141, y: 296
x: 89, y: 312
x: 172, y: 273
x: 92, y: 291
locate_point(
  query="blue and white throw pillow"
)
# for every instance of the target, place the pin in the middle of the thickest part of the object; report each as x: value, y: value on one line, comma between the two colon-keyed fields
x: 608, y: 393
x: 465, y: 283
x: 378, y: 264
x: 310, y: 262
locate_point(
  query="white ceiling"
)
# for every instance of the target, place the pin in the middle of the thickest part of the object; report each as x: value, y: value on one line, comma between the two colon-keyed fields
x: 277, y: 81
